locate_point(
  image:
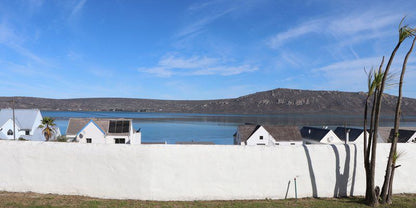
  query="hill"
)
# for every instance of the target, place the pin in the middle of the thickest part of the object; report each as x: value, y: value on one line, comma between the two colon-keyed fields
x: 277, y: 101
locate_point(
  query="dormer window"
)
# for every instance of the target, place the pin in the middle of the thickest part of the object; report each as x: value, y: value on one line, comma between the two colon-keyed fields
x: 9, y: 132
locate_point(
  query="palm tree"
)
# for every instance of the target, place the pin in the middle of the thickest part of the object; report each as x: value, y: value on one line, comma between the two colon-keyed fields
x: 372, y: 193
x: 47, y: 127
x: 391, y: 163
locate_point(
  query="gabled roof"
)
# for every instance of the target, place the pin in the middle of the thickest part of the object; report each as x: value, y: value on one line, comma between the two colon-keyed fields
x: 77, y: 124
x: 314, y: 133
x: 279, y: 133
x: 404, y: 135
x: 354, y: 133
x: 383, y: 133
x: 25, y: 118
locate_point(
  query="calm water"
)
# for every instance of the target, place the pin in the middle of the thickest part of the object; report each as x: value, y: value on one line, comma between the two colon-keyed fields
x: 217, y: 128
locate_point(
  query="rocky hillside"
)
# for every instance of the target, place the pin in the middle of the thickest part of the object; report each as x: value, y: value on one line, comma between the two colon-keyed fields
x: 275, y: 101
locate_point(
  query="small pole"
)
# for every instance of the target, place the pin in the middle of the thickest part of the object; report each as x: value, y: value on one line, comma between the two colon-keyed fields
x: 14, y: 121
x: 296, y: 189
x: 347, y: 136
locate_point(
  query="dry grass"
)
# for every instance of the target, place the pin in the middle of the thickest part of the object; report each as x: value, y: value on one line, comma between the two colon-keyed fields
x: 8, y: 199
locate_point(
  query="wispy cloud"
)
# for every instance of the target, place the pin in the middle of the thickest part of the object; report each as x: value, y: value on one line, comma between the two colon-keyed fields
x: 77, y: 8
x: 9, y: 38
x: 357, y: 27
x: 346, y: 75
x: 296, y: 32
x: 196, y: 65
x: 199, y: 24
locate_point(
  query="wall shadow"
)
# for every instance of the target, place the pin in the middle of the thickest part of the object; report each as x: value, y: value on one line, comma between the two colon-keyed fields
x: 287, y: 189
x: 311, y: 172
x: 354, y: 171
x: 343, y: 178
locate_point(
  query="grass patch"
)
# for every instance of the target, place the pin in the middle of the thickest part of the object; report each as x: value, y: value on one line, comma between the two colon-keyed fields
x: 34, y: 200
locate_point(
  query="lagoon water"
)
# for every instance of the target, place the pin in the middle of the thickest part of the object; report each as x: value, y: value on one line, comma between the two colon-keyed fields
x: 217, y: 128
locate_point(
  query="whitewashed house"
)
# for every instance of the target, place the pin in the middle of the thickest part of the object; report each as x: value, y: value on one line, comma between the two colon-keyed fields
x: 27, y: 122
x: 312, y: 135
x: 102, y: 131
x: 350, y: 135
x: 269, y: 135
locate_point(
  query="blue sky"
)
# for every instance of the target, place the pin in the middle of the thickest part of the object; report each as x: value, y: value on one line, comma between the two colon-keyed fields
x: 196, y: 49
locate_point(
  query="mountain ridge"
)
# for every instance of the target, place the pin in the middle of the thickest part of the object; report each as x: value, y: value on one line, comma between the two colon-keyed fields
x: 276, y: 101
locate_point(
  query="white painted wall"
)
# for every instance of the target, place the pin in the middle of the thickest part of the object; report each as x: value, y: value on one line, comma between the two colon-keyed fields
x: 111, y: 139
x: 267, y: 140
x: 137, y: 138
x: 93, y: 132
x: 9, y: 126
x: 195, y: 172
x: 412, y: 138
x: 331, y: 138
x: 254, y: 139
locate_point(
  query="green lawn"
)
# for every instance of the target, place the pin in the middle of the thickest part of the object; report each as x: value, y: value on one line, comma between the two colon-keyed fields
x: 8, y: 199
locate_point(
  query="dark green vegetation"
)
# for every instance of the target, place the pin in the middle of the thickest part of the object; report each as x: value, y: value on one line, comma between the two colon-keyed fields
x: 277, y: 101
x: 8, y: 199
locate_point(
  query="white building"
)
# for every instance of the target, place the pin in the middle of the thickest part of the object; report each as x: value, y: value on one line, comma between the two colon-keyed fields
x: 267, y: 135
x: 27, y: 122
x: 102, y: 131
x: 350, y: 135
x: 312, y: 135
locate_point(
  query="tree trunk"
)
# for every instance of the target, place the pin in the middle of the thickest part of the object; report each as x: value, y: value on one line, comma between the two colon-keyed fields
x: 373, y: 199
x: 393, y: 149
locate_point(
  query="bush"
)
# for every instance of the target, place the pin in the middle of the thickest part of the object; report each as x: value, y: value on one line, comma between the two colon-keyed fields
x: 61, y: 139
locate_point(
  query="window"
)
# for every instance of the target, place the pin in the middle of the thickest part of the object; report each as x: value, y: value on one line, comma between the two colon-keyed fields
x: 89, y: 140
x: 261, y: 144
x: 261, y: 137
x: 292, y: 143
x: 122, y: 126
x: 9, y: 132
x: 27, y: 132
x: 119, y: 140
x: 277, y: 143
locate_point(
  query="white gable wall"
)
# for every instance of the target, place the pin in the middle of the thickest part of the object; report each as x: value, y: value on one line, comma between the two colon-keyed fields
x: 93, y: 132
x: 412, y: 139
x: 331, y: 138
x: 254, y: 139
x: 9, y: 126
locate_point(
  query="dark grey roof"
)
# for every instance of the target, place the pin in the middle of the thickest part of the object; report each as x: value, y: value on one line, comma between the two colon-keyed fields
x: 279, y: 133
x: 404, y: 135
x: 341, y: 132
x: 313, y: 133
x: 77, y: 124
